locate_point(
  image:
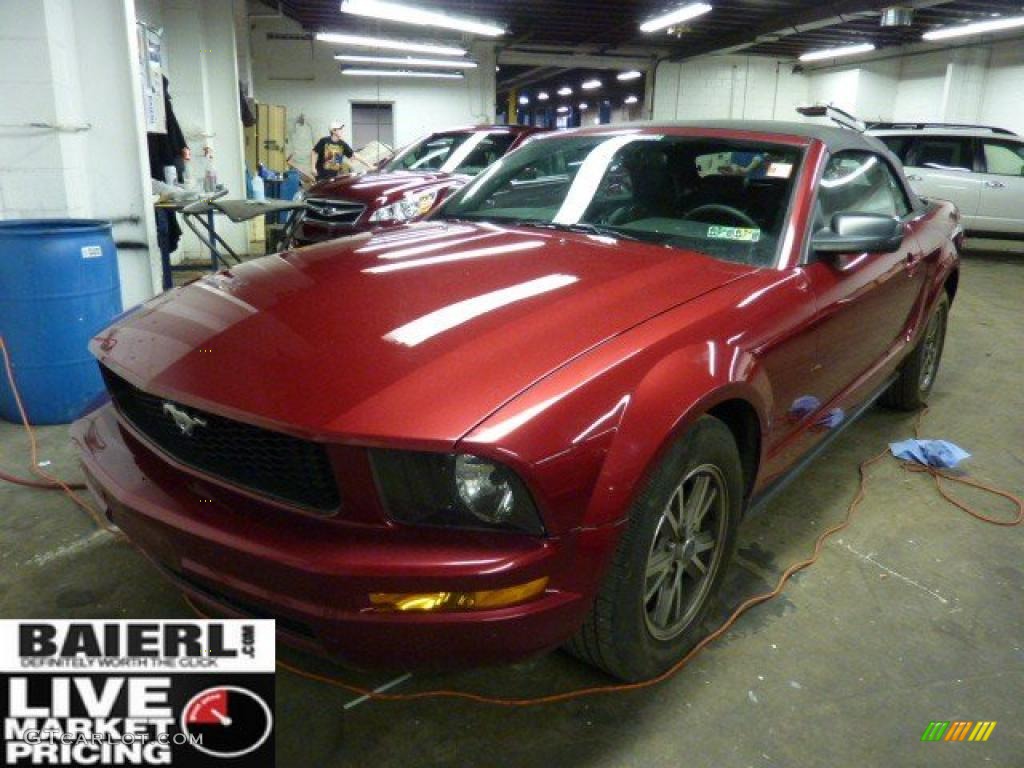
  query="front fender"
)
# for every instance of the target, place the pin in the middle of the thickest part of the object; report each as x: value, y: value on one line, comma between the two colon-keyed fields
x: 586, y: 438
x: 664, y: 405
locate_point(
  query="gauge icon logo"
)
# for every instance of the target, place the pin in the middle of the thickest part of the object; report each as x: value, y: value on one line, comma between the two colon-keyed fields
x: 227, y: 721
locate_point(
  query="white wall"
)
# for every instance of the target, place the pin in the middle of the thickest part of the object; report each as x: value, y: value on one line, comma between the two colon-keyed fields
x: 973, y: 84
x: 303, y: 76
x: 719, y: 87
x: 838, y: 88
x: 114, y: 150
x: 876, y: 89
x: 74, y: 65
x: 1002, y: 101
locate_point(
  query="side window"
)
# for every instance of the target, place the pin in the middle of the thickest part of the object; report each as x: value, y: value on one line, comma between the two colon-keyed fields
x: 486, y: 152
x: 1004, y: 158
x: 897, y: 145
x: 943, y: 153
x: 860, y: 182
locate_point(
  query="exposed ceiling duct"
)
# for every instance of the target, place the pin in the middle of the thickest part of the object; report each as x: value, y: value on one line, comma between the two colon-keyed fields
x: 897, y: 16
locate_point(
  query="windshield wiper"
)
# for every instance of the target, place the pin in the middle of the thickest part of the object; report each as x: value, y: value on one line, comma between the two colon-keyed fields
x: 581, y: 227
x: 590, y: 229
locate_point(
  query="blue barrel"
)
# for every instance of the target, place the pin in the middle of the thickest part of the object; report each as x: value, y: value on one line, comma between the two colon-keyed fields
x: 59, y: 287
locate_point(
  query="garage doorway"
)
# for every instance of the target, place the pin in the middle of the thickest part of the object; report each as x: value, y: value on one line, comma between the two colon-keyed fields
x: 372, y: 121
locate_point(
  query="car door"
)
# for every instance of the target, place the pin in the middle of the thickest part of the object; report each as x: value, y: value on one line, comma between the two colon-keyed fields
x: 1001, y: 206
x: 864, y: 300
x: 943, y: 167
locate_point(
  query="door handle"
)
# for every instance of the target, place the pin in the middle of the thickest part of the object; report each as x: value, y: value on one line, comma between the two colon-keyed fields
x: 914, y: 177
x: 995, y: 185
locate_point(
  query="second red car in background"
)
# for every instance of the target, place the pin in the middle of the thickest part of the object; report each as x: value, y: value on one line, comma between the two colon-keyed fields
x: 408, y: 186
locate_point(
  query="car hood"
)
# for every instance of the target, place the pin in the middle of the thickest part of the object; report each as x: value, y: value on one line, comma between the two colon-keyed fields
x: 417, y: 333
x: 381, y: 188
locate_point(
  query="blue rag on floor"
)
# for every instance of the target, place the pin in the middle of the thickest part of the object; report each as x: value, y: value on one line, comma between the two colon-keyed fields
x: 932, y: 453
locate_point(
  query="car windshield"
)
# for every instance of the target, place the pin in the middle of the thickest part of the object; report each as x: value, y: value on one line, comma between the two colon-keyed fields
x: 467, y: 152
x: 725, y: 198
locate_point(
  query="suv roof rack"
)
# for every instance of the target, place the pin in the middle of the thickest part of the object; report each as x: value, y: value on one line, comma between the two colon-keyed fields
x: 835, y: 114
x: 952, y: 126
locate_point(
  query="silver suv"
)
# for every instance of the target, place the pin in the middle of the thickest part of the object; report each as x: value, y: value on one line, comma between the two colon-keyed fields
x: 979, y: 168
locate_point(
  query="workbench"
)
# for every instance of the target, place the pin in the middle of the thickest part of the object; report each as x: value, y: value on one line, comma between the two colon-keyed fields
x: 200, y: 217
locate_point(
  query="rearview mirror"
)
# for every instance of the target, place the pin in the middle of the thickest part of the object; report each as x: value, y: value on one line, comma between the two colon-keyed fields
x: 859, y: 233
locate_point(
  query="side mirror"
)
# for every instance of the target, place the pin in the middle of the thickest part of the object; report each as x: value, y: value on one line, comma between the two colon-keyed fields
x: 859, y: 233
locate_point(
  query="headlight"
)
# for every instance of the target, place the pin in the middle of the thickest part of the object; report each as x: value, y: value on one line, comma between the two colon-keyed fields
x: 409, y: 207
x: 453, y: 490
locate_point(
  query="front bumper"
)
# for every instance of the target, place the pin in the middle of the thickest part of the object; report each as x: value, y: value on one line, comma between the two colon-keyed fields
x: 248, y: 557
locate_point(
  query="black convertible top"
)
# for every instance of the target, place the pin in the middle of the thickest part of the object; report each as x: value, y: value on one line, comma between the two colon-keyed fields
x: 834, y: 137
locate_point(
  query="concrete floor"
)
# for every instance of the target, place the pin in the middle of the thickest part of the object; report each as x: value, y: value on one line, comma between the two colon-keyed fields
x: 913, y: 614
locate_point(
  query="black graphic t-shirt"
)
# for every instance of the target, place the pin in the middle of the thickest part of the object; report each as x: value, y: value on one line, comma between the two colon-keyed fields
x: 330, y: 155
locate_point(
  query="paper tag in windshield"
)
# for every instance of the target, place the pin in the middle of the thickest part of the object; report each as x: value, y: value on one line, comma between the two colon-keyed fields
x: 779, y: 170
x: 734, y: 233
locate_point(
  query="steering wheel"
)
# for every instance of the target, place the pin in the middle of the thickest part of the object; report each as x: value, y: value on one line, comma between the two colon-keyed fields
x: 728, y: 210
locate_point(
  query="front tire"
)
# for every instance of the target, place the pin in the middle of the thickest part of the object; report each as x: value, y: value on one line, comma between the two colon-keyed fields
x: 917, y: 374
x: 670, y: 561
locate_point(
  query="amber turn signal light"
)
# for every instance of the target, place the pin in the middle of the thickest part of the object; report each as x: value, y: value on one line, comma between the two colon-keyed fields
x: 457, y: 601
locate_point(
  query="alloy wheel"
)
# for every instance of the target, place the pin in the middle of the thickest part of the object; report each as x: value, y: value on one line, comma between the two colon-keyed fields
x: 685, y: 552
x: 932, y: 347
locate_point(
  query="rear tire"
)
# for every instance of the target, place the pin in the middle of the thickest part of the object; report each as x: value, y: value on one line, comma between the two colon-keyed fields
x: 670, y: 561
x: 917, y: 374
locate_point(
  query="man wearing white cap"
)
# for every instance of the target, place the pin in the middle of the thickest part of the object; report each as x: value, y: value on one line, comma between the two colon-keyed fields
x: 328, y: 156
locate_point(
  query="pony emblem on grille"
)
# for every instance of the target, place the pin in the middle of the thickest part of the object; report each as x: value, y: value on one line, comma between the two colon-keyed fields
x: 187, y: 424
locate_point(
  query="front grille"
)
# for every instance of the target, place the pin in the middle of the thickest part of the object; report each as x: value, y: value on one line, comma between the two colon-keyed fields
x: 270, y: 463
x: 333, y: 211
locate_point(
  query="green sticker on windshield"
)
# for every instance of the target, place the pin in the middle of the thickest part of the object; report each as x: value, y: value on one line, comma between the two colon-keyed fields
x: 734, y: 233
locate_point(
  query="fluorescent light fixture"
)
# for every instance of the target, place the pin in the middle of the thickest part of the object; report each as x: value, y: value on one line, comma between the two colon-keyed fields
x: 406, y: 61
x: 832, y: 53
x: 400, y: 73
x: 679, y: 15
x: 563, y: 109
x: 391, y: 45
x: 631, y: 99
x: 633, y: 74
x: 591, y: 85
x: 407, y: 14
x: 524, y: 100
x: 583, y: 105
x: 542, y: 96
x: 565, y: 90
x: 977, y: 28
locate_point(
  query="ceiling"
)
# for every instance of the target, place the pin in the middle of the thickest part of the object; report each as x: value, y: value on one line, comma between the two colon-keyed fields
x: 782, y: 28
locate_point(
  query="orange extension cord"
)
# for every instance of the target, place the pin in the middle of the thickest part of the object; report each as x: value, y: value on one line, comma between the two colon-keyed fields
x: 47, y: 482
x: 937, y: 474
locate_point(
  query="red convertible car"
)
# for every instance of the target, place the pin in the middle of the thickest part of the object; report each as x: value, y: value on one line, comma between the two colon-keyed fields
x: 408, y: 186
x: 537, y: 418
